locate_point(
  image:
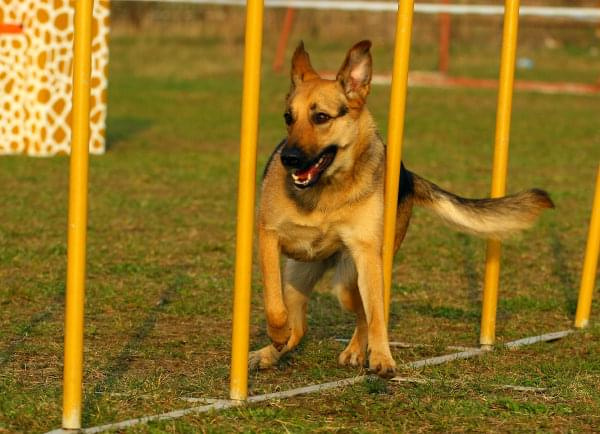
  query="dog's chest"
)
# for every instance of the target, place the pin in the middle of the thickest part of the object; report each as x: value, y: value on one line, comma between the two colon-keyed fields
x: 308, y: 242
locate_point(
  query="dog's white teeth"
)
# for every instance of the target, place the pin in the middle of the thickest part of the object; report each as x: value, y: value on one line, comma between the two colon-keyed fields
x: 298, y: 181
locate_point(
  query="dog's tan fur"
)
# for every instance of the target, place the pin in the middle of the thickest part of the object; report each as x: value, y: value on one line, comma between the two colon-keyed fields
x: 337, y: 221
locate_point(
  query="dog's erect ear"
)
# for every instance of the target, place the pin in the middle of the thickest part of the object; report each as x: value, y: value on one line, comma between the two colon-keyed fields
x: 301, y: 68
x: 355, y: 73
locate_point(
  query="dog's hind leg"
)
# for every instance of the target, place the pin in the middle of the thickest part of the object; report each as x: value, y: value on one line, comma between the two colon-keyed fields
x: 300, y: 279
x: 356, y: 352
x: 346, y: 287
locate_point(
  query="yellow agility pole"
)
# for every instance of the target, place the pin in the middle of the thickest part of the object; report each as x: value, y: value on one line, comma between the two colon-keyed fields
x: 245, y: 205
x: 77, y: 224
x: 503, y: 113
x: 590, y: 263
x: 395, y: 137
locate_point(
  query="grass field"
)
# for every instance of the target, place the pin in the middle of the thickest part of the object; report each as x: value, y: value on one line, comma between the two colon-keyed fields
x: 161, y: 243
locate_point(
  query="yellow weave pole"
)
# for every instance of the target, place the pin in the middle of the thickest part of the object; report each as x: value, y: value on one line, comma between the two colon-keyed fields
x: 395, y: 137
x: 77, y: 222
x: 246, y: 199
x: 503, y: 113
x: 590, y: 263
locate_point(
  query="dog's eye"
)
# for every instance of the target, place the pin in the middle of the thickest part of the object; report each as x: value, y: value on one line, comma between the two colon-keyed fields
x: 321, y: 118
x: 288, y: 118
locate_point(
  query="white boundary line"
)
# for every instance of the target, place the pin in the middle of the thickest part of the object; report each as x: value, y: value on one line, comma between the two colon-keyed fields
x: 226, y: 404
x: 535, y: 339
x: 585, y: 14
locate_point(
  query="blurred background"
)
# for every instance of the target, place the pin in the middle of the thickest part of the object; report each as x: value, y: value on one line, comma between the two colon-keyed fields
x: 472, y: 36
x: 162, y: 203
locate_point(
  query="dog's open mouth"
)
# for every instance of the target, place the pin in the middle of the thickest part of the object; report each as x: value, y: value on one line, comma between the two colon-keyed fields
x: 309, y: 175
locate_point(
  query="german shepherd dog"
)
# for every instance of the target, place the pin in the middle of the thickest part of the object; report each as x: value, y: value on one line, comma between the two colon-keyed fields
x: 322, y: 207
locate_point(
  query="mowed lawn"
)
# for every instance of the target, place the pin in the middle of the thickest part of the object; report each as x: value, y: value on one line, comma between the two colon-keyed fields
x: 161, y: 253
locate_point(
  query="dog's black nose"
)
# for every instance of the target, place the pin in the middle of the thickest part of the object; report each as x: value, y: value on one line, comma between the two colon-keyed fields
x: 292, y: 157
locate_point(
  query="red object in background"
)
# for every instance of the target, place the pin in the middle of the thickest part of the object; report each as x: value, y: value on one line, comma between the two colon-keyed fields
x: 11, y: 28
x: 283, y: 39
x: 444, y: 43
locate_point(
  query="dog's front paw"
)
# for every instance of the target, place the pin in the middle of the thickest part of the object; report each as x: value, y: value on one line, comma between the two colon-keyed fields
x: 264, y: 358
x: 382, y: 364
x: 279, y: 336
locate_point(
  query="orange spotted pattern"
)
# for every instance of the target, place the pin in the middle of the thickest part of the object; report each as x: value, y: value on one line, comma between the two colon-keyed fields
x: 36, y: 73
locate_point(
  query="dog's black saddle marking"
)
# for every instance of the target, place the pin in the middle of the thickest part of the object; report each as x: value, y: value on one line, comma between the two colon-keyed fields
x: 406, y: 187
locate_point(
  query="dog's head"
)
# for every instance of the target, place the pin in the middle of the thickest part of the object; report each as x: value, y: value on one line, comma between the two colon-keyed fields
x: 323, y: 116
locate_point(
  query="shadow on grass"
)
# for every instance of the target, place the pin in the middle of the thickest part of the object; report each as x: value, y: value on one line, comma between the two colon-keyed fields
x: 120, y: 129
x: 447, y: 312
x: 565, y: 277
x: 470, y: 270
x: 116, y: 368
x: 24, y: 331
x: 28, y: 327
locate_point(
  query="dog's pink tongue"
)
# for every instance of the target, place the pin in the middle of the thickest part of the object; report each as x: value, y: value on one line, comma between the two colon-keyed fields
x: 303, y: 175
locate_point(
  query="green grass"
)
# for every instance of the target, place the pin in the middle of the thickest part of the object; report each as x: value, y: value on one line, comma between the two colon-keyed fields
x: 161, y: 250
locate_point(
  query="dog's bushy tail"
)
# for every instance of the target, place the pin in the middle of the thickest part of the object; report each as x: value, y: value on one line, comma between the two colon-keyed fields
x: 490, y: 218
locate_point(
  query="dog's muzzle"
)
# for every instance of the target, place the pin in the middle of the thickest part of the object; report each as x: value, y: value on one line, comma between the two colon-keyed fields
x: 305, y: 171
x: 293, y: 157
